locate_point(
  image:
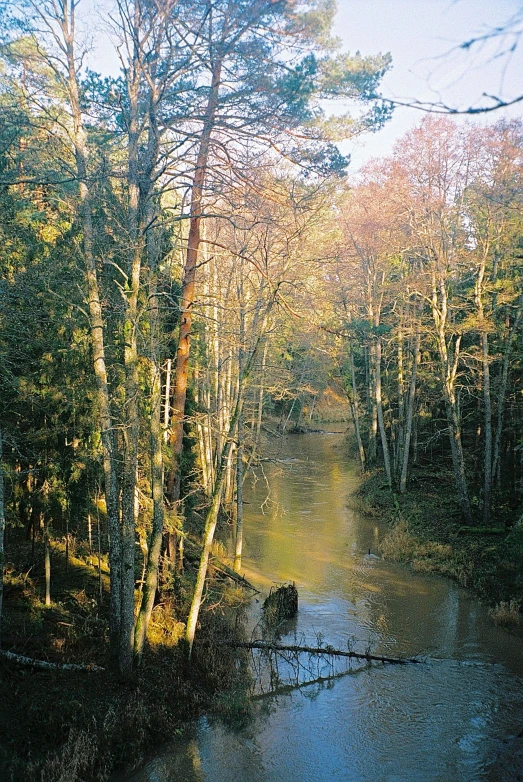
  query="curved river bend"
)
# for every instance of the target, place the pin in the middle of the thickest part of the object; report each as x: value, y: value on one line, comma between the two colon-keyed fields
x: 454, y: 719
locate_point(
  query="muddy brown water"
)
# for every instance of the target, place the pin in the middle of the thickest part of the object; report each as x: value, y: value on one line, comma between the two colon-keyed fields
x: 456, y: 718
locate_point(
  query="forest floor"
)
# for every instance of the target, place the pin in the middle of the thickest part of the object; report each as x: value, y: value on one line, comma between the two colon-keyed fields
x: 426, y: 532
x: 72, y: 726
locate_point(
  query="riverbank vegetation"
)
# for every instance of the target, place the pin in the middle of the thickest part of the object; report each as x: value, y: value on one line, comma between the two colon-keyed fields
x: 426, y: 533
x: 60, y: 724
x: 182, y: 256
x: 434, y: 237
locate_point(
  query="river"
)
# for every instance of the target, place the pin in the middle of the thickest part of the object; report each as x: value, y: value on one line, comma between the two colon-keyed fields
x: 454, y: 718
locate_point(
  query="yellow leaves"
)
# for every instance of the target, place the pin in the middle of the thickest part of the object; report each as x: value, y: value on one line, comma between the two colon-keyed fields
x: 473, y: 323
x: 172, y: 521
x: 337, y: 128
x: 49, y: 233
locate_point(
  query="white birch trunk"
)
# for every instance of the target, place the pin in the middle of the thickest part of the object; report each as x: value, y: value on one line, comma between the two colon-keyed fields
x: 167, y: 399
x: 410, y: 413
x: 381, y: 421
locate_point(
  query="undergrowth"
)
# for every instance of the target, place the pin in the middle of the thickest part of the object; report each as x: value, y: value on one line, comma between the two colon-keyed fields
x: 58, y: 726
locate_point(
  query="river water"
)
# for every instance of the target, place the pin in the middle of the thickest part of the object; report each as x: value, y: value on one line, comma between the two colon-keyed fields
x: 455, y: 718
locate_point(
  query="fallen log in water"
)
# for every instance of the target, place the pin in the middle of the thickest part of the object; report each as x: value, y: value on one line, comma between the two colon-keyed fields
x: 268, y: 646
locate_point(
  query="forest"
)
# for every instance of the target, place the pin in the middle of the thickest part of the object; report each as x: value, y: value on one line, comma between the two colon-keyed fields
x: 188, y: 267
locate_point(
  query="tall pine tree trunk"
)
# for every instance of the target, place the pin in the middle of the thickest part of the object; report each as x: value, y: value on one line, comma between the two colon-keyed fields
x: 156, y: 450
x: 155, y: 541
x: 502, y: 392
x: 181, y: 371
x: 449, y: 367
x: 354, y: 406
x: 131, y: 430
x: 372, y: 449
x: 487, y: 401
x: 238, y: 537
x: 487, y: 407
x: 381, y: 420
x: 399, y: 427
x: 97, y: 329
x: 47, y: 560
x: 458, y: 459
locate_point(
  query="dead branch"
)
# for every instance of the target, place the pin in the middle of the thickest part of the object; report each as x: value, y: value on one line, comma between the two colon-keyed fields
x: 268, y: 646
x: 43, y: 665
x: 225, y: 570
x: 221, y: 567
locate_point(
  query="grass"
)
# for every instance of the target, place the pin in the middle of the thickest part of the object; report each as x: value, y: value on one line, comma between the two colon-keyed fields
x: 507, y: 613
x: 74, y: 728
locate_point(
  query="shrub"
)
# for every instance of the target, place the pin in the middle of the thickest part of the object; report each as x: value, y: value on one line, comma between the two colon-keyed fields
x: 506, y: 613
x: 399, y: 545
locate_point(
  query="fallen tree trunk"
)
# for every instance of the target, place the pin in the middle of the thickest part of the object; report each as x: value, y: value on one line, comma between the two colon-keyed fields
x: 268, y: 646
x: 43, y: 665
x: 219, y: 566
x: 225, y: 570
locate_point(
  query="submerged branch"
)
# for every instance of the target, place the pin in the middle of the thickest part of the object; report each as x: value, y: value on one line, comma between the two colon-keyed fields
x: 320, y: 650
x: 285, y: 689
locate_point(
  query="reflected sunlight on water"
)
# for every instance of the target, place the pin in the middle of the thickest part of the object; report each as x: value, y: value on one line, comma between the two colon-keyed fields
x: 443, y: 721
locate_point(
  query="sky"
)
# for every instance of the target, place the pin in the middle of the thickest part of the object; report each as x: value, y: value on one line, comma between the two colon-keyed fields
x: 422, y: 36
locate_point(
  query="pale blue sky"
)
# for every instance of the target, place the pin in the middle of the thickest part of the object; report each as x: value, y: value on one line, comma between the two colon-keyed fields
x: 420, y: 35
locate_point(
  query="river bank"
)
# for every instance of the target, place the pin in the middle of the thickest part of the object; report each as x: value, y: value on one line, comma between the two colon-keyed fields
x: 426, y: 533
x: 452, y: 718
x: 303, y: 523
x: 72, y: 726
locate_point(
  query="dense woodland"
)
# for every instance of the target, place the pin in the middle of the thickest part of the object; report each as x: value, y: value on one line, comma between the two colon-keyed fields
x: 184, y: 261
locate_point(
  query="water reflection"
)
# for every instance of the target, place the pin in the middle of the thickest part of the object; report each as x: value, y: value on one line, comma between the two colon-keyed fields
x: 444, y: 721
